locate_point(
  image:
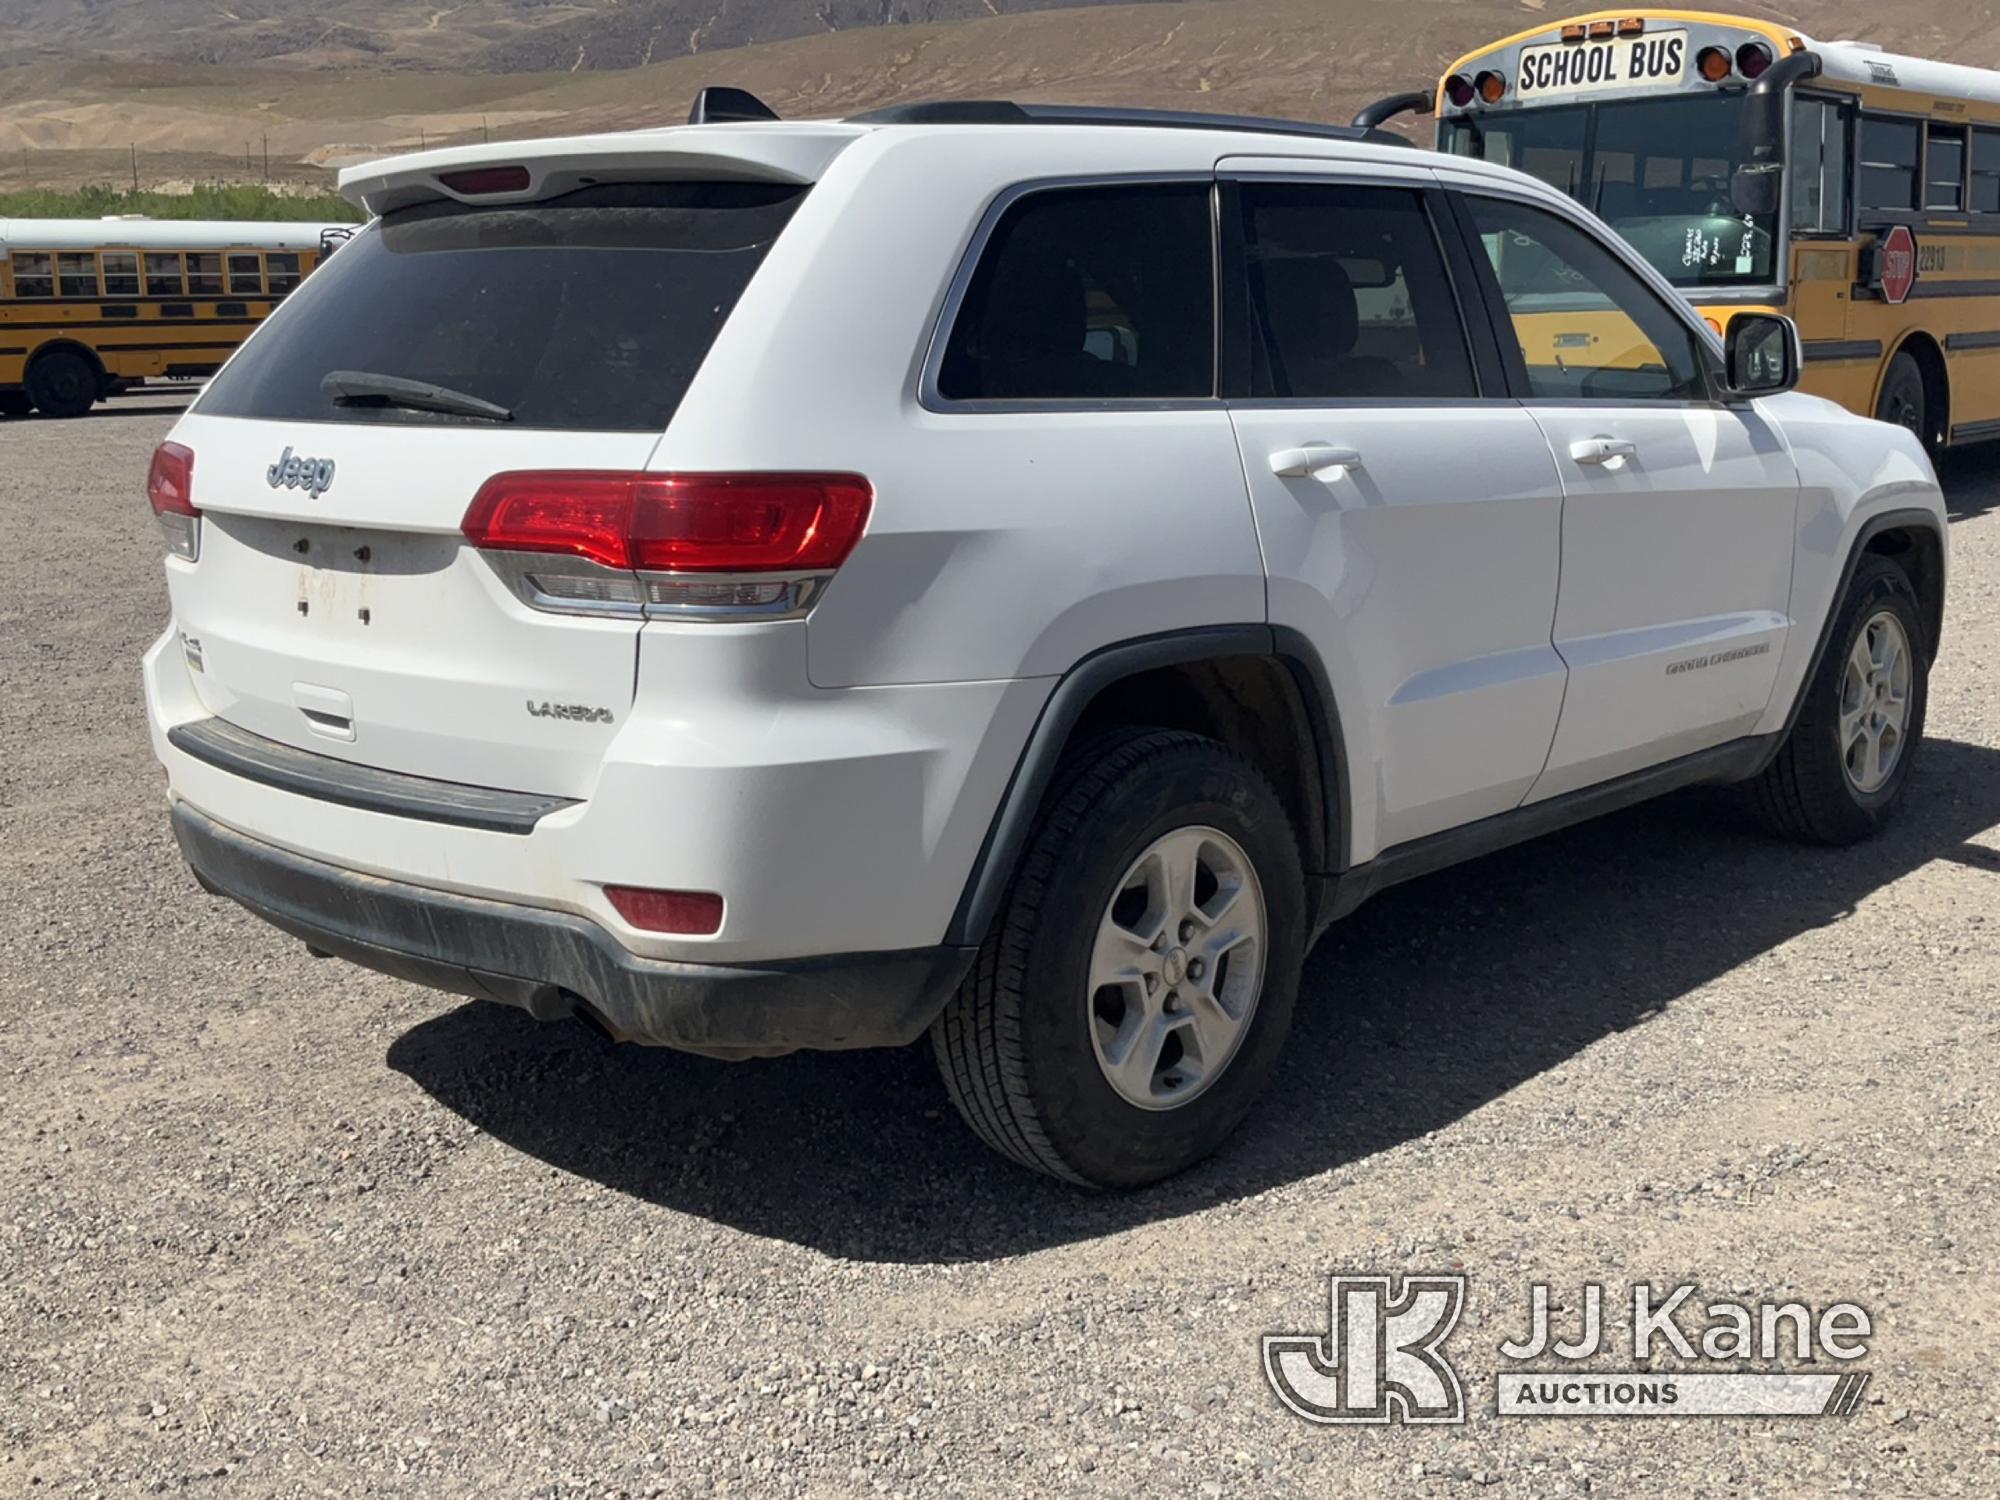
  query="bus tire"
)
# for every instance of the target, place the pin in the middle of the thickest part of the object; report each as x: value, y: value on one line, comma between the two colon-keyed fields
x: 1902, y: 402
x: 62, y: 383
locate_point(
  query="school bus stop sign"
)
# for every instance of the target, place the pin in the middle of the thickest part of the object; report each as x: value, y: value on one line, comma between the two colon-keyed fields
x: 1898, y: 263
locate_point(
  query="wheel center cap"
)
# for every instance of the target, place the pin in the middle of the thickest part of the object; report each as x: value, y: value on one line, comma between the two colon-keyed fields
x: 1174, y: 970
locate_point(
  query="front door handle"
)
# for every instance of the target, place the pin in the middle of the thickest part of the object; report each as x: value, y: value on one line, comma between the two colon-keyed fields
x: 1602, y: 450
x: 1313, y: 461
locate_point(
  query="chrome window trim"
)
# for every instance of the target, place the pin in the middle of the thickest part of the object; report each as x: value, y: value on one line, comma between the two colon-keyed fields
x: 931, y: 399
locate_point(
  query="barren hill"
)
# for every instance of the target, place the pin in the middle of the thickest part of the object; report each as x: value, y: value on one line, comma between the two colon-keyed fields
x: 90, y: 77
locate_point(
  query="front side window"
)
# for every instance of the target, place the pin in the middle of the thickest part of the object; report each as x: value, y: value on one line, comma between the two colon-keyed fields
x: 1889, y: 152
x: 34, y: 274
x: 76, y: 272
x: 163, y: 275
x: 246, y: 275
x: 1090, y: 294
x: 1819, y: 167
x: 121, y: 273
x: 1347, y: 296
x: 1944, y: 170
x: 1587, y: 328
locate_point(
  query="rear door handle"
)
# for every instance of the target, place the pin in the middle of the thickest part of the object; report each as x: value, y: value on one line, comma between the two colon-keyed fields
x: 1313, y: 460
x: 1602, y: 450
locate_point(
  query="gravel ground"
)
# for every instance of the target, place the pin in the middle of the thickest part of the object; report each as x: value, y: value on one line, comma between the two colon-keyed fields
x: 277, y: 1227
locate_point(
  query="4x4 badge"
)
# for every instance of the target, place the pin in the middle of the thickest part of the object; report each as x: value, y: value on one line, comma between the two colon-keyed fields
x: 313, y: 475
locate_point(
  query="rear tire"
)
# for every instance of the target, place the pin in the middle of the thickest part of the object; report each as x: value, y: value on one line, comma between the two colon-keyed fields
x: 1079, y: 1048
x: 1904, y: 400
x: 1842, y: 769
x: 62, y: 383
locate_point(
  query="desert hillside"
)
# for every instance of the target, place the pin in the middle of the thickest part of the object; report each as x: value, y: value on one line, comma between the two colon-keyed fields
x: 87, y: 84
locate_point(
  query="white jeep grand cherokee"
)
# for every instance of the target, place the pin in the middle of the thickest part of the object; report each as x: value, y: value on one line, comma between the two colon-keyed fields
x: 1012, y: 573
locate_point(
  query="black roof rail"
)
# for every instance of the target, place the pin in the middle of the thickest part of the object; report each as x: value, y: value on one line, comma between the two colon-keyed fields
x: 720, y: 106
x: 1006, y: 112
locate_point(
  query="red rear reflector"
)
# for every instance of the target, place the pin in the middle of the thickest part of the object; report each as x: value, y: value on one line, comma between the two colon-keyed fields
x: 476, y: 180
x: 675, y: 523
x: 170, y: 481
x: 687, y: 913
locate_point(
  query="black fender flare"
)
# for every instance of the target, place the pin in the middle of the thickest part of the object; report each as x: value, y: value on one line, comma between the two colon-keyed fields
x: 1007, y: 834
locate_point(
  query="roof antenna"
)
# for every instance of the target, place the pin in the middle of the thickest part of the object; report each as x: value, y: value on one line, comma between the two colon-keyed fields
x: 723, y: 106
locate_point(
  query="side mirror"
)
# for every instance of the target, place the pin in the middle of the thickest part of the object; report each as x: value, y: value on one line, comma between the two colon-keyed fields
x: 1763, y: 355
x: 1755, y: 190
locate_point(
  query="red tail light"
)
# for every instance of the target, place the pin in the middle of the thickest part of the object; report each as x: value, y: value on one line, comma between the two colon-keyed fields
x: 789, y: 529
x: 170, y: 489
x: 688, y: 913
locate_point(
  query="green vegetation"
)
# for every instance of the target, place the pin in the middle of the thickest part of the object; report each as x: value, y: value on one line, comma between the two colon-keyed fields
x: 213, y: 200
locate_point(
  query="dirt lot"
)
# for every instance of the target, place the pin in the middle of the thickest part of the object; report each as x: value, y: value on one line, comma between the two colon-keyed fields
x: 270, y: 1226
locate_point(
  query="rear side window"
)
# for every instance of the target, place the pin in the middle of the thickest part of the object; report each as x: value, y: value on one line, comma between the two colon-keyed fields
x: 589, y: 312
x: 1090, y: 294
x: 1348, y: 296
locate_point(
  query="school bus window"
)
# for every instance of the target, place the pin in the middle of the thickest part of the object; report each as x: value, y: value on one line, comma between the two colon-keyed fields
x: 284, y: 272
x: 1889, y: 151
x: 76, y: 273
x: 163, y: 276
x: 246, y: 274
x: 34, y: 274
x: 121, y: 273
x: 1986, y: 171
x: 1944, y: 170
x: 204, y: 275
x: 1819, y: 167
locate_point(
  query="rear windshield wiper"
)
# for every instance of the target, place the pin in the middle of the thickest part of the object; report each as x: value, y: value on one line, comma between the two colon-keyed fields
x: 364, y: 388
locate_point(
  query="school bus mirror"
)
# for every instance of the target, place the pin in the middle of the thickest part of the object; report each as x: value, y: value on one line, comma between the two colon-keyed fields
x: 1757, y: 190
x: 1762, y: 355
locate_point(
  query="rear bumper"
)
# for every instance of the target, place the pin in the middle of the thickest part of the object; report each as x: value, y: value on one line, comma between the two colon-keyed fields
x: 555, y: 964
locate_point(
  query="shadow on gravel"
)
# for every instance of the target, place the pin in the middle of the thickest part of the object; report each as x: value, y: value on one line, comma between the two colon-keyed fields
x: 1971, y: 480
x: 1431, y: 1000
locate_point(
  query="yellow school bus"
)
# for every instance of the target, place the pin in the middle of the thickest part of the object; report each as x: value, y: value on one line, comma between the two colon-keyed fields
x: 89, y: 307
x: 1853, y: 189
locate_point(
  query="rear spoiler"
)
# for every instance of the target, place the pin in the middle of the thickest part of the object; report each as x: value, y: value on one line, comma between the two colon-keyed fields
x: 531, y: 170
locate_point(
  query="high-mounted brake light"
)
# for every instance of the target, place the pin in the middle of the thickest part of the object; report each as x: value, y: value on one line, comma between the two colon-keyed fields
x: 474, y: 181
x: 669, y: 544
x: 170, y: 489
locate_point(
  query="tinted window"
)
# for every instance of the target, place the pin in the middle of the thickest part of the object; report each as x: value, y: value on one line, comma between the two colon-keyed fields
x: 1819, y: 167
x: 34, y: 274
x: 284, y: 272
x: 1986, y: 171
x: 204, y: 275
x: 1348, y: 296
x: 1889, y: 150
x: 246, y: 274
x: 121, y: 273
x: 1101, y: 293
x: 1587, y: 327
x: 77, y: 272
x: 163, y: 275
x: 1944, y: 170
x: 591, y: 311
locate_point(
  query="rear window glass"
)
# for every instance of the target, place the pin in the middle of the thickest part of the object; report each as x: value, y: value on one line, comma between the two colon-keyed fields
x: 592, y: 311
